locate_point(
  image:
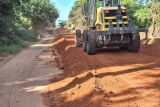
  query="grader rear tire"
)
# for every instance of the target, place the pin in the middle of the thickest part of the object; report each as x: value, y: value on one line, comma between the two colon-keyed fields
x: 134, y: 46
x: 85, y: 34
x: 91, y: 43
x: 78, y: 38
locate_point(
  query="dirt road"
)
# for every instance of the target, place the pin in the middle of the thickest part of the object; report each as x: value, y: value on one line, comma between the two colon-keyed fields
x: 23, y: 78
x: 107, y: 79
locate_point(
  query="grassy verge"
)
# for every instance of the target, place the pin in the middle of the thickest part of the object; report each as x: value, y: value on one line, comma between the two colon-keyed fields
x: 13, y: 48
x: 22, y: 39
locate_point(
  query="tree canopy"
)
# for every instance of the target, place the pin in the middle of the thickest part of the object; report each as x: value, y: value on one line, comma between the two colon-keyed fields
x: 76, y: 18
x: 26, y: 14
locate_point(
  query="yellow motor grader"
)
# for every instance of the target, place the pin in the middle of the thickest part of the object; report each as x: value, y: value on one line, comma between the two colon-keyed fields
x: 108, y: 25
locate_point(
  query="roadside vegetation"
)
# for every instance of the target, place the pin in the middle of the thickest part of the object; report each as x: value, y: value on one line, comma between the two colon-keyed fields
x: 22, y: 20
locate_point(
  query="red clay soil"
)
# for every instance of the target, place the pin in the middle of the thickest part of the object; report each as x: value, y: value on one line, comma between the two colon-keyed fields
x: 108, y: 79
x: 4, y: 57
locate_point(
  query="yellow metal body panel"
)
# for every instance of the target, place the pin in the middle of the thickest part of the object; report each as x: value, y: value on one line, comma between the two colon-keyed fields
x: 114, y: 23
x: 100, y: 23
x: 113, y: 8
x: 113, y: 17
x: 108, y: 29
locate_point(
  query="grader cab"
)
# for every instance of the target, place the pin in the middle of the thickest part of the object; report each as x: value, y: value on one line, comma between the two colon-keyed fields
x: 107, y: 26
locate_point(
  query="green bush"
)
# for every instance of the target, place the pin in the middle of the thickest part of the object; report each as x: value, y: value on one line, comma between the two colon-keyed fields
x: 12, y: 49
x: 14, y: 43
x: 25, y: 34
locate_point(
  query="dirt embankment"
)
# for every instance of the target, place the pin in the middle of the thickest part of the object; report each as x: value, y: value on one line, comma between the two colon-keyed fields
x: 107, y: 79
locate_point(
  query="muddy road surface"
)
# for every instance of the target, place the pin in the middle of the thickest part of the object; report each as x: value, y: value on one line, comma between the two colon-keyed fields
x: 111, y: 78
x: 24, y: 78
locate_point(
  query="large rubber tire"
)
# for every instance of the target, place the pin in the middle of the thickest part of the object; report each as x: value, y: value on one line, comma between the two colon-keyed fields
x: 85, y: 34
x: 77, y: 38
x: 134, y: 45
x: 91, y: 43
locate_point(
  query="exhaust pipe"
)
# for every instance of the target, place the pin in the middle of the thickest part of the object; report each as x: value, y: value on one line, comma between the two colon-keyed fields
x: 119, y: 2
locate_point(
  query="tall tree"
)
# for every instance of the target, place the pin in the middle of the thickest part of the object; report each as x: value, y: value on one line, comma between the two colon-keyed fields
x: 15, y: 14
x: 155, y: 16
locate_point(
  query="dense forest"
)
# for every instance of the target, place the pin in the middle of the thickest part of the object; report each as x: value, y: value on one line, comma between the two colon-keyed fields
x: 144, y: 16
x: 20, y: 21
